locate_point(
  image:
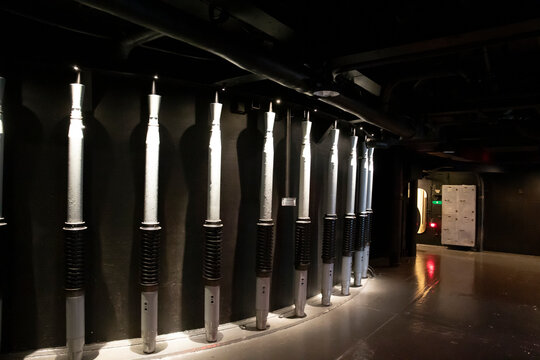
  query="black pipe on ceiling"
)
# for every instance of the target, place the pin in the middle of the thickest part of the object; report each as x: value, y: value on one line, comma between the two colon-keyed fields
x: 168, y: 20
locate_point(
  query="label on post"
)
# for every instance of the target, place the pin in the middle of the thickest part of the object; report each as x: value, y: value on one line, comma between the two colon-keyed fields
x: 288, y: 201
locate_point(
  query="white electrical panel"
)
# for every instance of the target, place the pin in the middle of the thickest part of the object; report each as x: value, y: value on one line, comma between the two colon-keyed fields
x: 458, y: 215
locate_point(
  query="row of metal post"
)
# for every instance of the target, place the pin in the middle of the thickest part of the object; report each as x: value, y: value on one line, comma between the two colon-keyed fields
x: 356, y: 232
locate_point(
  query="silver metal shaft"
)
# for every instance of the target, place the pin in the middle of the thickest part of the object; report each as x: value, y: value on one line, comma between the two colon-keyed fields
x: 75, y: 157
x: 359, y: 255
x: 300, y: 278
x: 305, y: 171
x: 332, y: 173
x: 346, y: 261
x: 267, y: 167
x: 262, y: 298
x: 75, y: 304
x: 214, y: 163
x: 369, y: 210
x: 149, y: 299
x: 212, y: 292
x: 327, y: 282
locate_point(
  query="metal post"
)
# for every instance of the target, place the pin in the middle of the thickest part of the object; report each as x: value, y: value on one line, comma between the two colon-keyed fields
x: 75, y: 228
x: 369, y: 212
x: 213, y: 228
x: 329, y: 231
x: 361, y: 221
x: 349, y: 230
x: 303, y: 224
x: 265, y: 227
x: 150, y: 229
x: 2, y: 220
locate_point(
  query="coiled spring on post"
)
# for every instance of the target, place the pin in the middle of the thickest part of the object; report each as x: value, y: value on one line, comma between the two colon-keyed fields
x: 151, y: 235
x: 265, y: 248
x: 74, y: 254
x: 302, y: 244
x: 212, y: 250
x: 349, y: 232
x: 329, y: 239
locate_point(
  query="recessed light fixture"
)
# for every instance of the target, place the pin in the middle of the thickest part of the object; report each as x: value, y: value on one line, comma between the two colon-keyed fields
x: 326, y: 93
x: 278, y: 101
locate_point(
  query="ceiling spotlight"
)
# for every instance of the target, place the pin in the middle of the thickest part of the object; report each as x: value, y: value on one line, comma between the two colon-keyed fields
x: 278, y: 101
x: 314, y: 110
x: 326, y: 93
x: 156, y: 77
x: 76, y: 68
x: 222, y: 89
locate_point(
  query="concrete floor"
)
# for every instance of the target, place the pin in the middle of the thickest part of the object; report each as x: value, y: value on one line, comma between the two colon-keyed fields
x: 445, y: 304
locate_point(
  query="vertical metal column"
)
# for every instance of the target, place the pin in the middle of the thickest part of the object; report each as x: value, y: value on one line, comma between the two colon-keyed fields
x: 361, y: 221
x: 213, y: 228
x: 75, y: 228
x: 2, y: 220
x: 349, y: 231
x: 265, y: 227
x: 302, y: 244
x: 369, y: 211
x: 150, y: 229
x: 330, y: 218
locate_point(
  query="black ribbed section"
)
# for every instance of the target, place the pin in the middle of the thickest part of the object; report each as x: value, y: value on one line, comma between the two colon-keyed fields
x: 349, y: 233
x: 302, y: 244
x: 265, y: 248
x: 74, y: 256
x: 151, y: 235
x: 329, y: 239
x: 361, y: 224
x: 212, y: 250
x: 369, y: 227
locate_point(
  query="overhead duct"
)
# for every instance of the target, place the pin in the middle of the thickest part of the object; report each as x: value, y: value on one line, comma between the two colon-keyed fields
x: 168, y: 20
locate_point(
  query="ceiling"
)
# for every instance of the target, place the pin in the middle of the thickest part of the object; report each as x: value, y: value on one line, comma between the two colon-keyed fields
x: 462, y: 76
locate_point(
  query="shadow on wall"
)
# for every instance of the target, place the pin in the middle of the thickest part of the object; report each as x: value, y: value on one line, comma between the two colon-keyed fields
x: 194, y: 154
x: 23, y: 146
x: 249, y: 152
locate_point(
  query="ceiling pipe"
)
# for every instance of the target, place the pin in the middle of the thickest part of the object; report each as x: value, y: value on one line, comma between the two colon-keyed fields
x: 168, y: 20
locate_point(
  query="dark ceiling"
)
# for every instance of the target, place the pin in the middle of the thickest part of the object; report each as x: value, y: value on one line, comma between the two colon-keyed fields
x: 462, y: 75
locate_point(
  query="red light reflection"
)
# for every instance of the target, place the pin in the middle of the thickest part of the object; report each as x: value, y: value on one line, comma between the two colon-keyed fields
x: 430, y: 267
x: 432, y: 225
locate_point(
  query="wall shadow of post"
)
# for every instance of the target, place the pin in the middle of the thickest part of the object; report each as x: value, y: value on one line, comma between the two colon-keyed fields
x: 249, y: 153
x: 194, y: 155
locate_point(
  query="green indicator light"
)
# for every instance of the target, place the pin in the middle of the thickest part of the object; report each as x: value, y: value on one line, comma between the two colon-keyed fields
x: 437, y: 202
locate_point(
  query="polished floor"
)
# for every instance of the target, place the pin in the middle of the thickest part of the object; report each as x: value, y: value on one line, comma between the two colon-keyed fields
x: 445, y: 304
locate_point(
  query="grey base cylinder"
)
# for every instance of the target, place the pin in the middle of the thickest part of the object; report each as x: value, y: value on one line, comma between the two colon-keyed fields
x: 262, y: 302
x: 211, y: 312
x: 365, y: 263
x: 300, y: 292
x: 149, y: 320
x: 346, y: 264
x: 358, y: 267
x: 327, y: 283
x: 75, y: 326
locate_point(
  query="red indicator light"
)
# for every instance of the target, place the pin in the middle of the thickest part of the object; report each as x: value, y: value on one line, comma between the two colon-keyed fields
x: 432, y: 225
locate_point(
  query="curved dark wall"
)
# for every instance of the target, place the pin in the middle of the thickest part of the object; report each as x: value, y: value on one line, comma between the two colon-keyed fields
x: 37, y: 105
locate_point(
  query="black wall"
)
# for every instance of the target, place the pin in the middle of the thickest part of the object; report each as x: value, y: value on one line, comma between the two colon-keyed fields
x: 37, y: 105
x: 512, y: 208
